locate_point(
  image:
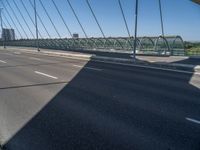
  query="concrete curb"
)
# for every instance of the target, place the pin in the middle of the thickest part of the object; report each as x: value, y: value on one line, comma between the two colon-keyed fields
x: 75, y: 55
x: 195, y: 57
x: 185, y: 67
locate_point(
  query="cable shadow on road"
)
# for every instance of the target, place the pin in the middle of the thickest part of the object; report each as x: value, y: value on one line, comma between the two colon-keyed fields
x: 31, y: 85
x: 120, y: 107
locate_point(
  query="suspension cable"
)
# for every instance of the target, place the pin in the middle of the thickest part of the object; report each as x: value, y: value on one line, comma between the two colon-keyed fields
x: 29, y: 15
x: 23, y: 18
x: 125, y: 22
x: 5, y: 18
x: 11, y: 20
x: 92, y: 11
x: 17, y: 19
x: 68, y: 1
x: 6, y: 26
x: 40, y: 20
x: 50, y: 19
x: 123, y: 15
x: 61, y: 16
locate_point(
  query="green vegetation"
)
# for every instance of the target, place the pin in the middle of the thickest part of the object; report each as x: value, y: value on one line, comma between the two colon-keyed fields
x: 192, y: 48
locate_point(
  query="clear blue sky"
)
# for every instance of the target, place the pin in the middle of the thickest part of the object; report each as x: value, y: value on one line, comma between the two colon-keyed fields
x: 181, y: 17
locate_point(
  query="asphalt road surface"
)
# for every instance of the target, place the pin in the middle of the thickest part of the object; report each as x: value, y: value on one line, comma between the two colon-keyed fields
x: 52, y: 103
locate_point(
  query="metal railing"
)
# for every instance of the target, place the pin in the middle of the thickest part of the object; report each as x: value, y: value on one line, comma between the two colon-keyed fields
x: 170, y: 45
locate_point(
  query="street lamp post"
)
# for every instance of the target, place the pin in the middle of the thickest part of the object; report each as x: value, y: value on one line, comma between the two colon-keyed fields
x: 136, y: 27
x: 3, y: 37
x: 36, y: 27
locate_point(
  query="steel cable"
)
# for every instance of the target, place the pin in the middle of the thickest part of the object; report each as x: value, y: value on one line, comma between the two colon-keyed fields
x: 13, y: 22
x: 17, y: 19
x: 124, y: 18
x: 125, y: 21
x: 100, y: 28
x: 23, y: 18
x: 50, y: 19
x: 67, y: 27
x: 68, y: 1
x: 29, y: 15
x: 40, y: 21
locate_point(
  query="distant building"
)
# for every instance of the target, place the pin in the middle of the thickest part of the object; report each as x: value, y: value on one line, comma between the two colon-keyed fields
x: 76, y: 35
x: 8, y: 34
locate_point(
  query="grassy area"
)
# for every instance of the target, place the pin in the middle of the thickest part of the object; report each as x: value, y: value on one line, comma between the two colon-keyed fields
x: 192, y: 48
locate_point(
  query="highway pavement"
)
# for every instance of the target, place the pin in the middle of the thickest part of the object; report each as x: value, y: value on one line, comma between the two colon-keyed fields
x: 54, y: 103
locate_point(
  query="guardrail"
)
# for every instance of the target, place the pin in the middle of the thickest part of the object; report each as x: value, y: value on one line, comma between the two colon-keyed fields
x: 169, y: 45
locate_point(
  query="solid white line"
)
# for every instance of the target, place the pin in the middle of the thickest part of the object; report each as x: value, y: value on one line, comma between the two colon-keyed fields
x: 149, y: 67
x: 3, y: 61
x: 90, y: 68
x: 78, y: 66
x: 46, y: 75
x: 197, y: 73
x: 193, y: 120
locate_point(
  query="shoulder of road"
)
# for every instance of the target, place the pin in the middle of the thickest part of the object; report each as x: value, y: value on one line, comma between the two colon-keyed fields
x: 172, y: 62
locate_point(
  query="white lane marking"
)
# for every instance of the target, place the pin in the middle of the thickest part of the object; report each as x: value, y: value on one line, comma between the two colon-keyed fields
x: 46, y: 75
x: 90, y: 68
x: 149, y: 67
x: 3, y: 61
x: 197, y: 73
x: 18, y: 53
x: 78, y: 66
x: 193, y: 120
x: 33, y: 58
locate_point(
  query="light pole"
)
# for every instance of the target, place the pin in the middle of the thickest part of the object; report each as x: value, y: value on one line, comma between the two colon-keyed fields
x: 36, y: 27
x: 2, y: 34
x: 136, y: 24
x: 161, y: 18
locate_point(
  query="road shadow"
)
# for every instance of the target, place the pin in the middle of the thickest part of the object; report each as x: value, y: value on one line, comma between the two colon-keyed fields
x: 190, y: 61
x: 119, y: 108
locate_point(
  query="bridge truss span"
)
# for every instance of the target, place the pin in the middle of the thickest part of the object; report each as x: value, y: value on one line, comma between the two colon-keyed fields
x: 168, y: 45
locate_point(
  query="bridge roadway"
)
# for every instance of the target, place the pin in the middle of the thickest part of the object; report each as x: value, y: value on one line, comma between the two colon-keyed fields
x: 52, y: 103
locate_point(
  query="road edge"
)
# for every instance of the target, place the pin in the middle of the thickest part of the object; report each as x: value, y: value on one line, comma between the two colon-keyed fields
x: 75, y: 55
